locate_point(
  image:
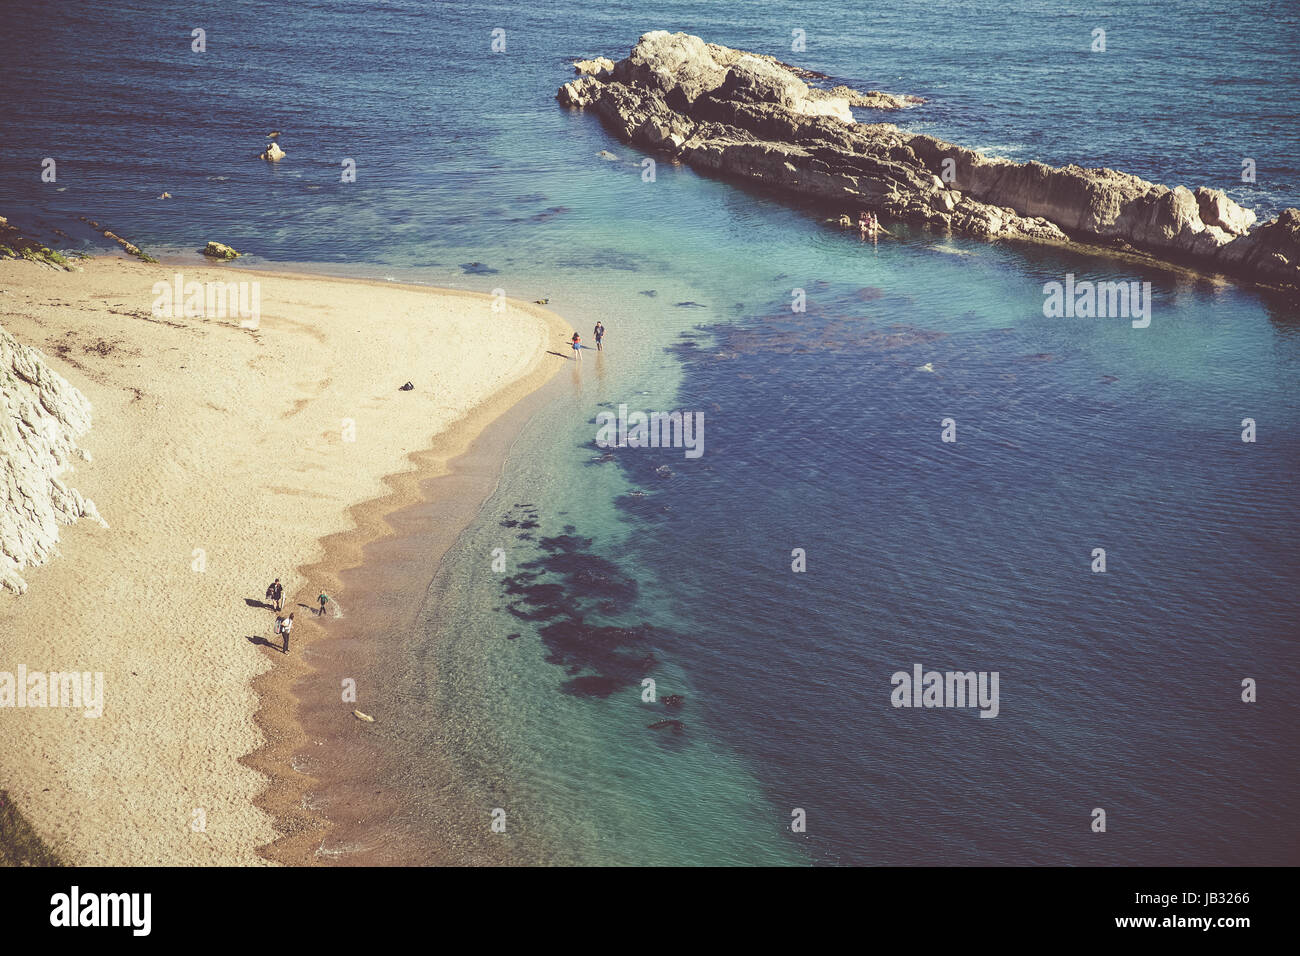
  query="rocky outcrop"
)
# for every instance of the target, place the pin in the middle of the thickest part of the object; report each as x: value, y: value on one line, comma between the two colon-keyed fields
x: 601, y: 67
x: 876, y: 100
x: 41, y: 416
x: 14, y: 245
x: 754, y: 117
x: 129, y: 246
x: 219, y: 250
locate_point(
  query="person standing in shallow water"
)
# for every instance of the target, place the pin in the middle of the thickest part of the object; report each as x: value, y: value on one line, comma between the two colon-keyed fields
x: 323, y: 598
x: 285, y: 627
x: 599, y: 333
x: 577, y: 346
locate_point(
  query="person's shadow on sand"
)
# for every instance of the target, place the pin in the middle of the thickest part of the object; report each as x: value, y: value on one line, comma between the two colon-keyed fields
x: 254, y: 602
x: 265, y: 643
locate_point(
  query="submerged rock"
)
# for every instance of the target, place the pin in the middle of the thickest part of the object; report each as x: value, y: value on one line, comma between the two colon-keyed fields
x: 130, y: 247
x: 753, y: 117
x: 14, y: 245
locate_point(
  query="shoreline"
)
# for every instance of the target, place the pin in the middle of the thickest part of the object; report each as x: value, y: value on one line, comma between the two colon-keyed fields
x: 153, y: 745
x: 373, y: 568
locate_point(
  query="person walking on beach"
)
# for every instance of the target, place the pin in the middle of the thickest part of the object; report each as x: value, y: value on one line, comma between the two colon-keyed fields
x: 275, y: 593
x: 323, y: 598
x: 285, y: 627
x: 599, y: 332
x: 577, y: 346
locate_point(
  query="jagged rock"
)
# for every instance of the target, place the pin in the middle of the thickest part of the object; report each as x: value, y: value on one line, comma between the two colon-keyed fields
x: 129, y: 246
x: 1218, y: 210
x: 219, y: 250
x: 272, y: 153
x: 876, y: 100
x: 753, y: 117
x: 14, y: 245
x: 41, y: 416
x: 600, y: 67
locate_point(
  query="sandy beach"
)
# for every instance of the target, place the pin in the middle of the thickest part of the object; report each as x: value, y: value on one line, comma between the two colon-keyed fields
x: 223, y: 455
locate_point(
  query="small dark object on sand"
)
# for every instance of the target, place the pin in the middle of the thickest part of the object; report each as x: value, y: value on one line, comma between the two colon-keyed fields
x: 408, y: 387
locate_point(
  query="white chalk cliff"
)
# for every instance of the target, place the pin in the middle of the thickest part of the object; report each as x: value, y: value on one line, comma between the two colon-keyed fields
x: 41, y: 417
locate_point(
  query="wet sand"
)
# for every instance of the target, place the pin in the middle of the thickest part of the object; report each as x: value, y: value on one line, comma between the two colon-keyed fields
x: 227, y: 441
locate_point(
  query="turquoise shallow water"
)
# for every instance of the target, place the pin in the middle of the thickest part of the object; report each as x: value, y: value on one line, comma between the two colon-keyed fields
x: 822, y: 431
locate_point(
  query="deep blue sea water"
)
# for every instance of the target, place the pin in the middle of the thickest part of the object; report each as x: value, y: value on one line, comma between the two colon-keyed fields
x: 1118, y: 690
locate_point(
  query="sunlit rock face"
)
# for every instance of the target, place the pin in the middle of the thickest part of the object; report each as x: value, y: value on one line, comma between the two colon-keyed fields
x: 751, y: 116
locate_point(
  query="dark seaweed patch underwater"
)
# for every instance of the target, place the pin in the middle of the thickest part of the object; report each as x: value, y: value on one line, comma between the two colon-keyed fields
x: 580, y: 601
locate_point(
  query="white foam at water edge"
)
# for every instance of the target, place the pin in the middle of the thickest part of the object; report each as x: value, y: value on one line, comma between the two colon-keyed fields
x: 1004, y: 151
x: 300, y: 764
x: 341, y: 850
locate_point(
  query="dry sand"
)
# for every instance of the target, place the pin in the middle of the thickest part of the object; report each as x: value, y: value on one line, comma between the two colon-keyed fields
x: 211, y: 436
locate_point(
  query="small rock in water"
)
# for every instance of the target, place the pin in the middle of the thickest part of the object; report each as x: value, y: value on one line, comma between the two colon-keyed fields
x: 273, y: 153
x: 165, y: 196
x: 606, y: 154
x: 219, y: 250
x: 477, y: 269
